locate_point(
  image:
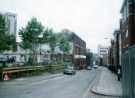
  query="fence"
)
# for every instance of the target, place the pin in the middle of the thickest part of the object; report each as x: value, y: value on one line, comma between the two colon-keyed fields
x: 15, y: 72
x: 128, y: 73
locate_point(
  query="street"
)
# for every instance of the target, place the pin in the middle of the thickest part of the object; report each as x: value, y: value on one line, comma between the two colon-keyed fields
x: 63, y: 86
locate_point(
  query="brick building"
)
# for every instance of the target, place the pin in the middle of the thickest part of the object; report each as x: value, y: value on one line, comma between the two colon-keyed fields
x: 78, y: 48
x: 126, y: 24
x: 127, y: 28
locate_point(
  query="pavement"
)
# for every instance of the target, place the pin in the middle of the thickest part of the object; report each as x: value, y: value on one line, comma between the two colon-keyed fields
x: 106, y: 84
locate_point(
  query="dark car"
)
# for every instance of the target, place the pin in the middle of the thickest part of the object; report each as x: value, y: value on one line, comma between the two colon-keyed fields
x: 69, y: 70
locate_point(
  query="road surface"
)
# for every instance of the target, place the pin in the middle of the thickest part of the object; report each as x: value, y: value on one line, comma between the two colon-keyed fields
x: 62, y: 86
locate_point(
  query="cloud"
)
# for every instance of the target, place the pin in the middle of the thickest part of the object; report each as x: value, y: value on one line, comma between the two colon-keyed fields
x: 92, y: 20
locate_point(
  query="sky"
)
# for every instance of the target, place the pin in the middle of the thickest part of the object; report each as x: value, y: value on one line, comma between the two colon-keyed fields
x: 92, y: 20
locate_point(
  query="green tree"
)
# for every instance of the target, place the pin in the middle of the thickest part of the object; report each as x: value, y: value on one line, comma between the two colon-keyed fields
x: 7, y: 41
x: 46, y: 36
x: 52, y: 40
x: 30, y: 37
x: 64, y: 45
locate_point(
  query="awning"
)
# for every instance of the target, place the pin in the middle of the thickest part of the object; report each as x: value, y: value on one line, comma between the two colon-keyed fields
x: 79, y: 56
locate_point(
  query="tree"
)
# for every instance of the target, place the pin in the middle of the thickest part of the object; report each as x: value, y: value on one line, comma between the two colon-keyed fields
x: 64, y: 45
x: 52, y: 40
x: 7, y: 41
x: 46, y: 36
x: 30, y: 37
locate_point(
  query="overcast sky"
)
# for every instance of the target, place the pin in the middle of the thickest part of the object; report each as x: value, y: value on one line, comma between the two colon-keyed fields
x: 92, y: 20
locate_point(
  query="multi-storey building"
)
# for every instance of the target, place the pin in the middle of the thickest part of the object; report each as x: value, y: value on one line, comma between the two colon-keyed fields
x: 11, y: 23
x: 103, y: 54
x: 127, y: 28
x: 126, y: 24
x: 78, y: 48
x: 102, y: 50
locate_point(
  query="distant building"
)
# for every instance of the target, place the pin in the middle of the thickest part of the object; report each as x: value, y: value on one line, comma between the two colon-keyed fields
x: 11, y: 23
x: 111, y: 53
x: 103, y: 55
x: 78, y: 48
x: 102, y: 50
x: 114, y: 52
x: 89, y: 58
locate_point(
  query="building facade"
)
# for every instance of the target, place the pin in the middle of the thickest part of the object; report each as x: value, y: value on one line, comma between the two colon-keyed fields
x: 117, y: 47
x: 103, y: 55
x: 110, y: 54
x: 127, y: 28
x: 78, y: 49
x: 11, y: 22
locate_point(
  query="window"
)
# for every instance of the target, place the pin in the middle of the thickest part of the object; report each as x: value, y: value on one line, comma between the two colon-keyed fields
x: 127, y: 34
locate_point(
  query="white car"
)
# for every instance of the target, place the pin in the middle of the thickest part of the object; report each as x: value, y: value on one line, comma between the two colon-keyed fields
x: 95, y: 66
x: 89, y: 68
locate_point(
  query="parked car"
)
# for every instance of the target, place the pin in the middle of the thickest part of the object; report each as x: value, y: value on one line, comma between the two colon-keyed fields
x: 69, y: 70
x: 95, y: 66
x: 89, y: 68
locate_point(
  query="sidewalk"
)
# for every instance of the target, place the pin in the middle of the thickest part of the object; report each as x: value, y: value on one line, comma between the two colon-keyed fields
x: 106, y: 84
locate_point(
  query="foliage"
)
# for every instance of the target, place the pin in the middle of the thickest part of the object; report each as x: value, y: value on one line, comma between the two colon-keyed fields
x: 52, y: 41
x: 64, y: 45
x: 30, y: 34
x: 30, y: 37
x: 46, y: 35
